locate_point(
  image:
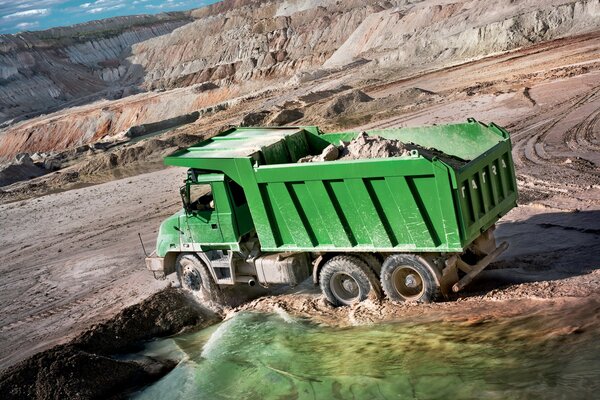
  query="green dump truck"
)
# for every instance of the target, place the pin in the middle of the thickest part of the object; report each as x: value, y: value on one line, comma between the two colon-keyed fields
x: 414, y: 227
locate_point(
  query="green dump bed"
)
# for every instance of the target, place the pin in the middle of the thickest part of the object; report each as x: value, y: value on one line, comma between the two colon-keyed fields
x: 411, y: 203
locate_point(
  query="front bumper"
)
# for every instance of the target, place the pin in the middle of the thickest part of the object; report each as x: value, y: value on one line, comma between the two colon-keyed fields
x: 156, y: 265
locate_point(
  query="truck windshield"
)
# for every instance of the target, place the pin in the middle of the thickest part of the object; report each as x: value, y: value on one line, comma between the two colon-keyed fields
x: 201, y: 198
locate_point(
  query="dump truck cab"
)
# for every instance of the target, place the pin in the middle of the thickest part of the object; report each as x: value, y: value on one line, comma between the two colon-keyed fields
x: 216, y: 213
x: 406, y: 224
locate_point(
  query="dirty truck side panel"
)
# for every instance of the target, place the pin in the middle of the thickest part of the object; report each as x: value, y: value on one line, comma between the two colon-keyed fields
x: 361, y: 205
x: 486, y: 189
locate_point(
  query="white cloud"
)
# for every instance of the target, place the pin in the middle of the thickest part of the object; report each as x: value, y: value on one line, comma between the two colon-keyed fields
x: 107, y: 2
x: 28, y: 13
x: 97, y: 10
x: 6, y: 4
x: 85, y: 5
x: 165, y: 5
x: 27, y: 25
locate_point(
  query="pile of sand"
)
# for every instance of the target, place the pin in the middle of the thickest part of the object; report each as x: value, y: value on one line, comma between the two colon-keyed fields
x: 344, y: 102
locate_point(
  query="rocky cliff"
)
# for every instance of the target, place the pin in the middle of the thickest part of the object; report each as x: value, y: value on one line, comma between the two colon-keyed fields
x: 42, y: 71
x: 243, y: 46
x: 267, y: 39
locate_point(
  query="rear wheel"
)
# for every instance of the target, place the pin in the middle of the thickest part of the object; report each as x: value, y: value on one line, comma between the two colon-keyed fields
x: 405, y: 277
x: 346, y: 280
x: 193, y: 276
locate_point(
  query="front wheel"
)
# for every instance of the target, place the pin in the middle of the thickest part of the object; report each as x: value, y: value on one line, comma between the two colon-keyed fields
x: 194, y: 277
x: 346, y: 280
x: 405, y: 277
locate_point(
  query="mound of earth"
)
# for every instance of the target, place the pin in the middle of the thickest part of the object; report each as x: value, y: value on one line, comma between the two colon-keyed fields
x: 255, y: 118
x: 153, y: 149
x: 164, y: 314
x: 344, y: 102
x: 286, y: 116
x: 22, y: 168
x: 272, y: 118
x: 66, y: 372
x: 84, y: 367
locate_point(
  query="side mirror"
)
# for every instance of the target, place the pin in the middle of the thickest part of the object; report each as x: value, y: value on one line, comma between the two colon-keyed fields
x: 185, y: 198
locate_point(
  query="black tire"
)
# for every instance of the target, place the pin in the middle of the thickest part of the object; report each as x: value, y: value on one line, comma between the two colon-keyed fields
x: 372, y: 261
x: 193, y: 276
x: 346, y: 280
x: 404, y: 277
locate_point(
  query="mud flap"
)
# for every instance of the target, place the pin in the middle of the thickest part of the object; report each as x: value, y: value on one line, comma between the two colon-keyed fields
x: 449, y: 276
x: 450, y: 282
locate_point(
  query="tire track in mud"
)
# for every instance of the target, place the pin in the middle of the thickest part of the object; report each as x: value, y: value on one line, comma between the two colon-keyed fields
x: 396, y: 122
x: 45, y: 300
x: 581, y: 136
x: 62, y: 309
x: 549, y: 169
x: 43, y: 314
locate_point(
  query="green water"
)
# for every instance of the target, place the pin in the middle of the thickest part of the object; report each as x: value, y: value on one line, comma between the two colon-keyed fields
x: 268, y: 356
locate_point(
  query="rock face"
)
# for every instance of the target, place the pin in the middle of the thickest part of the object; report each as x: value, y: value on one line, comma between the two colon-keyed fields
x: 243, y: 42
x: 40, y: 71
x: 258, y: 39
x: 431, y: 31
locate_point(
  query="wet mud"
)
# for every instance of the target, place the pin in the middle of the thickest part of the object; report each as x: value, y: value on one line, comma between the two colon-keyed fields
x: 89, y: 367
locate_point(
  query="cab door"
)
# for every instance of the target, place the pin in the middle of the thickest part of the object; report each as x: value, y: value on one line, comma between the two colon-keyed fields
x: 202, y: 222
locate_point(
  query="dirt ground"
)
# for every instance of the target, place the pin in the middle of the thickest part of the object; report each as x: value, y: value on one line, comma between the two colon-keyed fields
x: 72, y: 259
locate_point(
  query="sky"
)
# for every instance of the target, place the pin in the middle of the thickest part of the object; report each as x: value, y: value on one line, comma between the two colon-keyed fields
x: 33, y: 15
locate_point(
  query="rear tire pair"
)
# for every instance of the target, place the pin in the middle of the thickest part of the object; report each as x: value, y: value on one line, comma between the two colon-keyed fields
x: 349, y: 279
x: 406, y: 278
x: 346, y: 280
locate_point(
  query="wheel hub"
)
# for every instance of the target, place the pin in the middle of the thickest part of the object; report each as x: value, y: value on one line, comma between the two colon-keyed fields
x: 411, y: 281
x: 191, y: 278
x: 407, y: 282
x: 349, y: 285
x: 344, y: 287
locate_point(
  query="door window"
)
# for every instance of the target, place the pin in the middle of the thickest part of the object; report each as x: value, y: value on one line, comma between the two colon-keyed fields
x: 201, y: 198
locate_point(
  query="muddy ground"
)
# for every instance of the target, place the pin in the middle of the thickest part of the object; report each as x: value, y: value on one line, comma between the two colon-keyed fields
x: 72, y: 259
x: 67, y: 371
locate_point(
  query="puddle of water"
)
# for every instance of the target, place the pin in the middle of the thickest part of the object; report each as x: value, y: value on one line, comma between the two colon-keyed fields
x: 266, y: 356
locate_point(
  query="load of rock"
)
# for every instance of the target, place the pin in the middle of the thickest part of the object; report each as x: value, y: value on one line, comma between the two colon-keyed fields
x: 365, y: 146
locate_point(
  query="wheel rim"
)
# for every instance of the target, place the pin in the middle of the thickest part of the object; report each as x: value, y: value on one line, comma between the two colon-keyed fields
x: 344, y: 287
x: 407, y: 282
x: 191, y: 277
